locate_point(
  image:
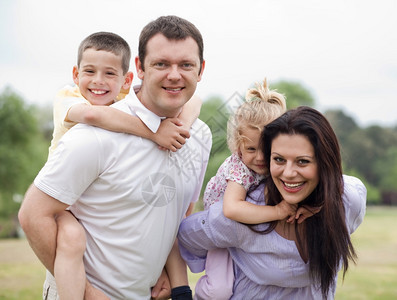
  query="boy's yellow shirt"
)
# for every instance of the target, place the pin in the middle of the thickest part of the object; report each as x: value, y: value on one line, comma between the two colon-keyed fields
x: 64, y: 100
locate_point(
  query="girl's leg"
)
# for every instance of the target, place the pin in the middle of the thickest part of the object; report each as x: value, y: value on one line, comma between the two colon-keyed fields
x: 69, y: 267
x: 217, y: 283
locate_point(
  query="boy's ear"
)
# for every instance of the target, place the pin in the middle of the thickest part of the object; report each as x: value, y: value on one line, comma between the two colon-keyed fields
x: 128, y: 80
x: 76, y: 75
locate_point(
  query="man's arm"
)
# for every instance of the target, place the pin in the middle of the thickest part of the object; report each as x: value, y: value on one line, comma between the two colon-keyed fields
x: 37, y: 217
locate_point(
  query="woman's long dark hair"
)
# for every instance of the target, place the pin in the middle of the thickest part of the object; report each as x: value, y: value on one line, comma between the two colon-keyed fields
x: 326, y: 236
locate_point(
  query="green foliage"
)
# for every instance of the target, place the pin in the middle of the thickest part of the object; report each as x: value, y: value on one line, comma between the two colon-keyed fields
x: 22, y: 150
x: 296, y: 94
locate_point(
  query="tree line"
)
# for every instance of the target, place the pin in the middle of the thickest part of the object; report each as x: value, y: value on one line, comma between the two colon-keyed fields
x: 25, y: 132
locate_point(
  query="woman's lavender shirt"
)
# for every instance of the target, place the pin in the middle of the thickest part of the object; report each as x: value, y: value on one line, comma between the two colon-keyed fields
x: 266, y: 266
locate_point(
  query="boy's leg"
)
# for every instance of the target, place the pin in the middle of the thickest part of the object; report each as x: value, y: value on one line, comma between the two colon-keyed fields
x: 69, y: 267
x: 217, y: 283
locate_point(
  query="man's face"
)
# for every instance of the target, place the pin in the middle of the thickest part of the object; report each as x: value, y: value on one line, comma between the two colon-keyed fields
x: 171, y: 74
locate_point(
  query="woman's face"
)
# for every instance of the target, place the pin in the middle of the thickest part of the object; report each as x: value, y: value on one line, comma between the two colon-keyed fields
x: 293, y: 167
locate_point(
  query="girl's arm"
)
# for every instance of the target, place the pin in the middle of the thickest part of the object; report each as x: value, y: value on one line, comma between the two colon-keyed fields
x: 236, y: 208
x: 116, y: 120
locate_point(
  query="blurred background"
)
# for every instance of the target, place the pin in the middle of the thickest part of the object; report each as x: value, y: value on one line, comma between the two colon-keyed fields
x: 337, y: 56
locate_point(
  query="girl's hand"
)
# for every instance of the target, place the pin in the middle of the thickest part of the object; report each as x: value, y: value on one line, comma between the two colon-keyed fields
x: 305, y: 212
x: 286, y: 211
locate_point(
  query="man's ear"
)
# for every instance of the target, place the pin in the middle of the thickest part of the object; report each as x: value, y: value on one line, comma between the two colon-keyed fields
x: 76, y: 75
x: 127, y: 80
x: 139, y: 68
x: 201, y: 71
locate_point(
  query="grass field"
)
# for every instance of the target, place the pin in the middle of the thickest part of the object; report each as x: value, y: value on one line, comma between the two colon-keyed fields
x: 374, y: 276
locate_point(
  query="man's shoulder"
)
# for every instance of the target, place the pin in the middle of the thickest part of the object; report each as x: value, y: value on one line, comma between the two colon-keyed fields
x: 201, y: 133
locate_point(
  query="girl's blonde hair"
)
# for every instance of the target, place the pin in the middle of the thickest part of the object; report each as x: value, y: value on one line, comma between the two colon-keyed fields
x: 261, y: 106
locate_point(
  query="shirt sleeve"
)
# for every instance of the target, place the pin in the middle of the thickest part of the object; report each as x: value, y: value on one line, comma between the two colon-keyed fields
x: 74, y: 165
x: 238, y: 172
x: 65, y: 99
x: 204, y: 231
x: 354, y: 198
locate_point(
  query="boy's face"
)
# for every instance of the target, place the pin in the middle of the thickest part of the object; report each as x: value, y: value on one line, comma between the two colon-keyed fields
x: 100, y: 76
x: 170, y: 76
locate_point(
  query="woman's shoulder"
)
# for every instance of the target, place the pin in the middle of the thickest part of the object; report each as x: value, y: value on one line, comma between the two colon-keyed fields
x: 354, y: 198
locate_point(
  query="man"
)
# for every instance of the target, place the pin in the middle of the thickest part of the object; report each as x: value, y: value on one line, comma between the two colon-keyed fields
x: 129, y: 196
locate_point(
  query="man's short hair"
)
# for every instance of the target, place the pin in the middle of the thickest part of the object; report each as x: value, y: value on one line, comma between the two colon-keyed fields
x: 173, y: 28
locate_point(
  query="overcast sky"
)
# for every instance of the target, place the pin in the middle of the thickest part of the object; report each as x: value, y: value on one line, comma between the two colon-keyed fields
x: 344, y: 52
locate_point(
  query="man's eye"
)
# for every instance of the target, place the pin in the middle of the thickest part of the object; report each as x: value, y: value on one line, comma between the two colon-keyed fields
x: 160, y: 65
x: 187, y: 65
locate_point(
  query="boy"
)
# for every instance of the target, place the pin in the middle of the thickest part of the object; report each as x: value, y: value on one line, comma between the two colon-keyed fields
x: 102, y: 77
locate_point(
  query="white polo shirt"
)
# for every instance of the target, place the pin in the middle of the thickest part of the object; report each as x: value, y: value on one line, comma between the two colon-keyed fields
x: 129, y: 196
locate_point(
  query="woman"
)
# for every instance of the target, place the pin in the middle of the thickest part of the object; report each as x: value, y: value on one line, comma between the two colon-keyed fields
x: 279, y: 260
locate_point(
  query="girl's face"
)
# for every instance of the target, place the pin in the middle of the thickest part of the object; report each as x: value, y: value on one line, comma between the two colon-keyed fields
x: 293, y: 167
x: 249, y: 151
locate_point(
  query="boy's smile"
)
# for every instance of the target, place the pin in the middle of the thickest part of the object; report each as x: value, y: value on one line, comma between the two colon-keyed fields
x: 99, y: 76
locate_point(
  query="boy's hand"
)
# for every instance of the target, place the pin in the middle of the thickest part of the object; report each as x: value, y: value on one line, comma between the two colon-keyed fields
x: 305, y: 212
x: 162, y: 289
x: 286, y: 210
x: 171, y: 135
x: 92, y: 293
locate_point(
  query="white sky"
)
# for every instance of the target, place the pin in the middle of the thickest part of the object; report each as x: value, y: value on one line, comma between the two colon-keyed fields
x: 343, y: 51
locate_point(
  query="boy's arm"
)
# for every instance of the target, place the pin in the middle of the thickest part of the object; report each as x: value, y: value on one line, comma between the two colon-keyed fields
x: 179, y: 126
x: 116, y: 120
x: 236, y: 208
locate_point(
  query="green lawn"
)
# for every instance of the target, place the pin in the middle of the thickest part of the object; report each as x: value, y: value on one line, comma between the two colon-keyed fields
x: 374, y: 276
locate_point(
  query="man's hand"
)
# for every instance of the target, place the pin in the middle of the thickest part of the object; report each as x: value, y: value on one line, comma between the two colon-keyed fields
x: 162, y: 289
